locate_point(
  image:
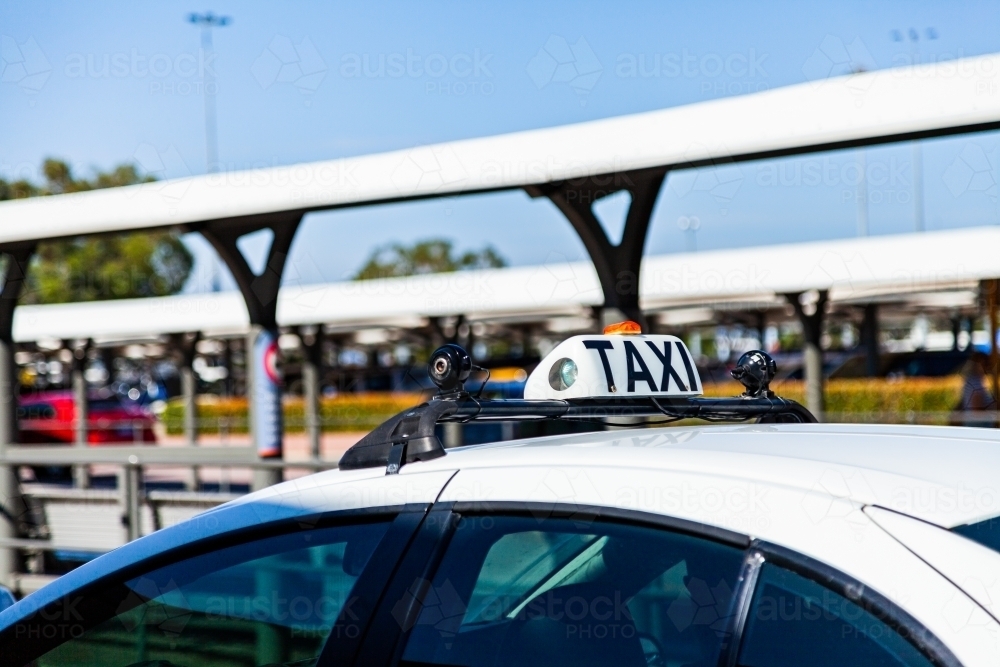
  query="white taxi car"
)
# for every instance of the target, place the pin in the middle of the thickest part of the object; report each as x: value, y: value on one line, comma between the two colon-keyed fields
x: 763, y: 545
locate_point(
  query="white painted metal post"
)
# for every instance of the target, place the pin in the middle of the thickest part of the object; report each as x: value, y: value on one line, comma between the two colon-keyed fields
x: 811, y: 312
x: 312, y: 358
x: 190, y: 394
x: 185, y: 345
x: 813, y: 374
x: 10, y: 487
x: 81, y: 474
x: 14, y: 509
x: 310, y: 384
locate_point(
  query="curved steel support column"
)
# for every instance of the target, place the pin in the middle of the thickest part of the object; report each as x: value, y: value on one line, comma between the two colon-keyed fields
x: 812, y: 353
x: 14, y: 514
x: 260, y: 292
x: 617, y: 265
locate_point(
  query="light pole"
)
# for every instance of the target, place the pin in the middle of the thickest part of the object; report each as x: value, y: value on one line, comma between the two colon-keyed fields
x: 918, y: 159
x: 207, y: 21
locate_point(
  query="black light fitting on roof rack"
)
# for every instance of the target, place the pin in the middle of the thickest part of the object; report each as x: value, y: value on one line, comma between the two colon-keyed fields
x: 410, y: 436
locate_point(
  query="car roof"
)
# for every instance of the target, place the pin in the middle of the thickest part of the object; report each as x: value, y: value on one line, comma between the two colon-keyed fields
x: 943, y: 475
x: 948, y: 476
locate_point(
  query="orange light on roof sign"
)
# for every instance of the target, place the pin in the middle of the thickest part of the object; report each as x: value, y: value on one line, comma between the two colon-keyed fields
x: 626, y: 328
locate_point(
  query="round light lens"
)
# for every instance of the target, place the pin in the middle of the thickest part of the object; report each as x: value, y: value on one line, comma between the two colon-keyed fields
x: 563, y: 374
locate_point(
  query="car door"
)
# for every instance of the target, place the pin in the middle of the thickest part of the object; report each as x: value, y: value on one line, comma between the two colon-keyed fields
x: 565, y: 582
x: 290, y: 576
x: 292, y: 594
x: 506, y: 584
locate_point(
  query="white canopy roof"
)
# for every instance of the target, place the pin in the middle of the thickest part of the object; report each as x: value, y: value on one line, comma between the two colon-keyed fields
x: 861, y: 108
x: 852, y: 269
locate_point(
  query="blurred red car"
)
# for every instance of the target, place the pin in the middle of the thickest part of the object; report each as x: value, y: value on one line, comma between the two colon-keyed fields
x: 49, y: 418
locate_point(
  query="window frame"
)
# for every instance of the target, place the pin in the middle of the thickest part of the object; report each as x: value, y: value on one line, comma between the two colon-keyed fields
x: 403, y: 521
x: 440, y: 526
x: 594, y: 512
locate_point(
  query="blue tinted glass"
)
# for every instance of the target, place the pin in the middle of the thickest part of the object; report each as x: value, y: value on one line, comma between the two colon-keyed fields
x: 270, y: 602
x: 795, y: 622
x: 986, y: 532
x: 539, y: 591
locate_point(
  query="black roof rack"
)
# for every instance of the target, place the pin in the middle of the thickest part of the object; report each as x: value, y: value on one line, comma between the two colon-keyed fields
x: 410, y: 435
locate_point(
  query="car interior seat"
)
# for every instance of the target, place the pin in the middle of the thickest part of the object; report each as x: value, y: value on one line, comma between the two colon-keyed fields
x: 584, y: 625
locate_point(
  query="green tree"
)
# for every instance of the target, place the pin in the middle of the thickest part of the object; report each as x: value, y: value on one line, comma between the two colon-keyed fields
x: 96, y: 268
x: 430, y: 256
x: 17, y: 189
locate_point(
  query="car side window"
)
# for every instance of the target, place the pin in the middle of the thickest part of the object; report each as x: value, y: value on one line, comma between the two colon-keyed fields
x: 272, y: 601
x: 796, y: 622
x: 519, y: 590
x: 985, y: 532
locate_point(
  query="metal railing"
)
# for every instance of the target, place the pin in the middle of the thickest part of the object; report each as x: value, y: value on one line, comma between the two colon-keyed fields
x: 90, y: 527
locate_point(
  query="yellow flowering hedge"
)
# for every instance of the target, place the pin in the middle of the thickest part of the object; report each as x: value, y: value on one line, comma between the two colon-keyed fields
x: 879, y: 400
x: 345, y: 412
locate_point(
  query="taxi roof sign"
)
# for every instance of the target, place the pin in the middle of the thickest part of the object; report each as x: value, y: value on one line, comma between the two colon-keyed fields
x: 626, y: 328
x: 596, y: 378
x: 615, y: 366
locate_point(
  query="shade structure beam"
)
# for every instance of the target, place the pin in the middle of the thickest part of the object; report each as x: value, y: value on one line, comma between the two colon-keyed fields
x: 617, y: 265
x: 260, y: 294
x: 260, y: 291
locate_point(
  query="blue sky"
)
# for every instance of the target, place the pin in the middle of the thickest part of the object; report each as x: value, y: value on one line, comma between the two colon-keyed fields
x: 103, y: 83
